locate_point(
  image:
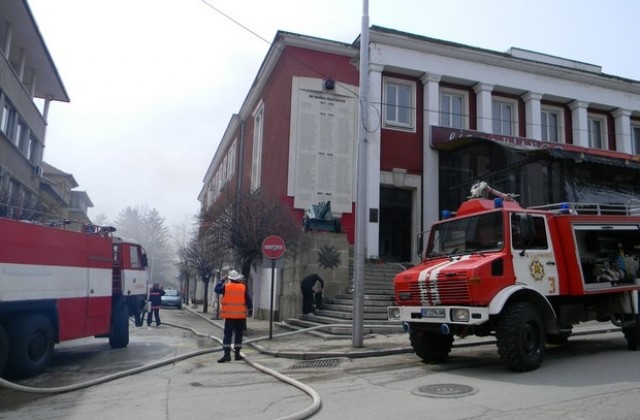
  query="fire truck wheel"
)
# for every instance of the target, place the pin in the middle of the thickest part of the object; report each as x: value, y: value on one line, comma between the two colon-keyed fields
x: 632, y: 335
x: 31, y: 341
x: 430, y: 346
x: 119, y: 337
x: 520, y: 336
x: 4, y: 348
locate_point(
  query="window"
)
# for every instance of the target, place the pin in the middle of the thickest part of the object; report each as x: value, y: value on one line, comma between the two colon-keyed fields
x: 550, y: 121
x: 399, y: 103
x: 635, y: 139
x: 504, y: 117
x: 135, y: 257
x: 33, y: 151
x: 231, y: 156
x: 596, y: 132
x: 22, y: 138
x: 7, y: 120
x: 537, y: 241
x: 453, y: 106
x: 256, y: 161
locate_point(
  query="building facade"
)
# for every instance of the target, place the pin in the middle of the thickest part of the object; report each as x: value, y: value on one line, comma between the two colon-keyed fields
x: 29, y: 82
x: 441, y: 116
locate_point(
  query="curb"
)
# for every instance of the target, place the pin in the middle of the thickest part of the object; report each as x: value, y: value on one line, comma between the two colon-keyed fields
x: 362, y: 353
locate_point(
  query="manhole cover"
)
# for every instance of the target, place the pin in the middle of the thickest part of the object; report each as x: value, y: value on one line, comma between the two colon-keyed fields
x: 321, y: 363
x: 444, y: 390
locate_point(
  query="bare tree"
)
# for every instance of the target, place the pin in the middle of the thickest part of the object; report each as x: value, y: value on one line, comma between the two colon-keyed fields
x: 243, y: 220
x: 205, y: 254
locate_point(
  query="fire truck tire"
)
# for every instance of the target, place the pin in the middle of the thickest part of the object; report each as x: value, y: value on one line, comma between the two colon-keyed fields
x: 432, y: 347
x: 119, y: 336
x: 31, y: 340
x: 4, y: 348
x: 520, y: 336
x: 632, y: 335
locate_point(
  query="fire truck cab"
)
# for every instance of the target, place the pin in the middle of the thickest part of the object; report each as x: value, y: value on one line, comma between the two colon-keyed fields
x: 59, y: 284
x: 526, y: 276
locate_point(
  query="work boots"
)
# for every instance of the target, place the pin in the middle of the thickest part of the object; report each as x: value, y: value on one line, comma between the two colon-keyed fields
x: 226, y: 357
x: 238, y: 355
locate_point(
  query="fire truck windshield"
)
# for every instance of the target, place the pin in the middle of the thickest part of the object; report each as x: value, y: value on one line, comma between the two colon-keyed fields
x: 466, y: 235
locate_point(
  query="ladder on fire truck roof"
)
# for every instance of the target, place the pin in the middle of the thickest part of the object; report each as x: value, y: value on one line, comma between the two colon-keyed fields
x: 630, y: 208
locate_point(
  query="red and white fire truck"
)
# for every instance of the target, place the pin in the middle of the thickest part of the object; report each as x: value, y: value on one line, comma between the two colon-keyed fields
x: 527, y: 275
x: 57, y: 284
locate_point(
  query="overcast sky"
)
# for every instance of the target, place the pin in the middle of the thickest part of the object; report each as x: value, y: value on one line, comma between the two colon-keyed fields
x: 153, y: 83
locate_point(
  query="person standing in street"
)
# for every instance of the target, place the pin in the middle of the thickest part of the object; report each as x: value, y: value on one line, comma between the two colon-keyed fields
x: 155, y: 297
x: 235, y: 305
x: 311, y: 288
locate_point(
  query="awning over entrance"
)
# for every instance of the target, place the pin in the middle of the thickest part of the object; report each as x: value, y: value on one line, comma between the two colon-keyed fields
x: 444, y: 138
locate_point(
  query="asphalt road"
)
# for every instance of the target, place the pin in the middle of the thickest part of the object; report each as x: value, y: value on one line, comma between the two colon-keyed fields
x: 592, y: 377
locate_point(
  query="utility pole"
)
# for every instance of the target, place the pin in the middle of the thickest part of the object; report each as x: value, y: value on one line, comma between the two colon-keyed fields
x: 361, y: 183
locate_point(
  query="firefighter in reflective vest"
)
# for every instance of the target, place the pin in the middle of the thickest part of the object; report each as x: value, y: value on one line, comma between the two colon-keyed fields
x: 236, y: 304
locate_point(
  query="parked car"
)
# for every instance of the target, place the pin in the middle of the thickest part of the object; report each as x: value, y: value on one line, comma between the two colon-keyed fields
x: 172, y: 298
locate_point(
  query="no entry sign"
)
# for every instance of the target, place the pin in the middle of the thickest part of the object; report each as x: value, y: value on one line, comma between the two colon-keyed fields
x: 273, y: 247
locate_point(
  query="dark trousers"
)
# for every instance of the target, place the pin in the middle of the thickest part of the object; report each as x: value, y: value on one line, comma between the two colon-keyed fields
x: 307, y: 298
x: 156, y: 312
x: 235, y: 328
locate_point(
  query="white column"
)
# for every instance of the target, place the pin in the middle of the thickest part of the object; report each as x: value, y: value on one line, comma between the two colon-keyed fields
x: 430, y: 179
x: 623, y: 130
x: 580, y: 123
x: 373, y: 162
x: 484, y: 108
x: 533, y: 116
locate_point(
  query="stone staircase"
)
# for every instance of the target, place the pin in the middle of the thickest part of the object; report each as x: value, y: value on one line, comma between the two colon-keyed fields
x: 378, y: 294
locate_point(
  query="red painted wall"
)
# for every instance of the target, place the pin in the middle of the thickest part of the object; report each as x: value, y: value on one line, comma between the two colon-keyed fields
x: 401, y: 148
x: 276, y: 97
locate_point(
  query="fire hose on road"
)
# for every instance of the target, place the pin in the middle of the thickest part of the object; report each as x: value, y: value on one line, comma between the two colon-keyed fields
x: 303, y: 414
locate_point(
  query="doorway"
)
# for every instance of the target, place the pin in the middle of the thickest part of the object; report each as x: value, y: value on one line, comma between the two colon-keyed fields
x: 395, y: 224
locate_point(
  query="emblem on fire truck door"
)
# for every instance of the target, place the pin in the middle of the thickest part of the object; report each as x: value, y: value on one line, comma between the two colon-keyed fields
x: 537, y: 270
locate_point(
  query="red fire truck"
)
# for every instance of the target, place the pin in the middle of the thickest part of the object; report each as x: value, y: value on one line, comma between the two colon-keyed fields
x: 526, y: 276
x: 58, y: 284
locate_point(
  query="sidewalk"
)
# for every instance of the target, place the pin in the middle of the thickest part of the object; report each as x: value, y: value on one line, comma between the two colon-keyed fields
x: 308, y: 345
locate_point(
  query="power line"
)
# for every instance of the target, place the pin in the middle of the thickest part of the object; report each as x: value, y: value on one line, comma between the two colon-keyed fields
x: 630, y: 137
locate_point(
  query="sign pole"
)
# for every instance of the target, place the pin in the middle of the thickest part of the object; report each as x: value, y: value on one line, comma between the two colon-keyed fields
x: 273, y: 270
x: 273, y: 247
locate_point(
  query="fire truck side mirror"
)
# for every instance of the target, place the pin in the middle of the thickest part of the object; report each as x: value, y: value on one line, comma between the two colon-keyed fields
x: 419, y: 244
x: 145, y: 261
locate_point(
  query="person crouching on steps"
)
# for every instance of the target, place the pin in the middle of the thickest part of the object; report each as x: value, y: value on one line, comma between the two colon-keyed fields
x: 235, y: 305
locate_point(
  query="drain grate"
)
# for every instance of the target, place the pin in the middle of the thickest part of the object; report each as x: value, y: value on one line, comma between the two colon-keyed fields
x: 320, y: 363
x: 444, y: 390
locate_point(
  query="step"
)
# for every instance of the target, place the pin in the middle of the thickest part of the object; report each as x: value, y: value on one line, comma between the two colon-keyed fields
x: 333, y: 332
x: 368, y: 296
x: 349, y: 308
x: 349, y: 302
x: 349, y: 314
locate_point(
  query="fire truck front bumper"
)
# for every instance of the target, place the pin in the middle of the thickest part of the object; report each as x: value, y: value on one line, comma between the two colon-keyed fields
x: 459, y: 315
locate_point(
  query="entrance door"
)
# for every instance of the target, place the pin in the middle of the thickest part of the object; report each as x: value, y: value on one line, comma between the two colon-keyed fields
x: 395, y: 224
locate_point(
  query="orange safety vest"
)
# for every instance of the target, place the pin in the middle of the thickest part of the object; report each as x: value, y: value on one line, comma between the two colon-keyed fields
x: 234, y: 305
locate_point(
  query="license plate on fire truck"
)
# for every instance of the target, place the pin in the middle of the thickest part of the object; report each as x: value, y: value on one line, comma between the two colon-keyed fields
x: 432, y: 312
